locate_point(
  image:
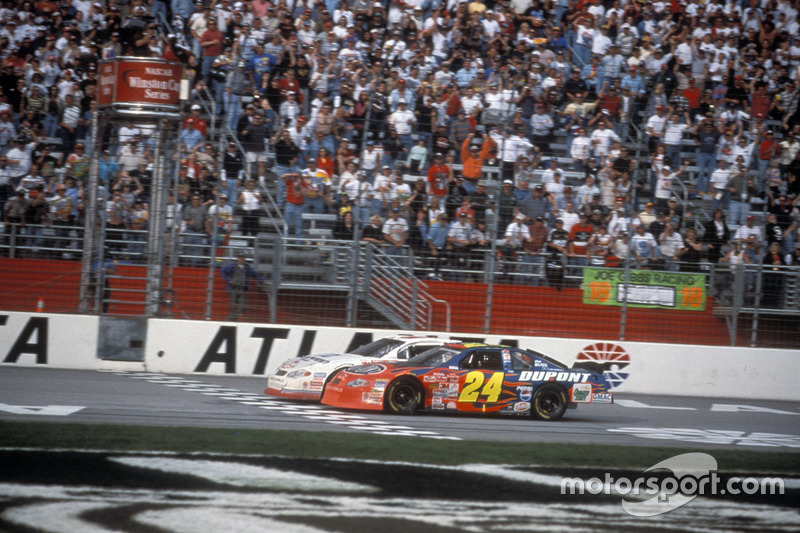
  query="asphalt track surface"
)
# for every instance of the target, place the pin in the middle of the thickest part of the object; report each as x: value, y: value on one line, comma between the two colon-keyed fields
x: 157, y: 492
x: 236, y: 402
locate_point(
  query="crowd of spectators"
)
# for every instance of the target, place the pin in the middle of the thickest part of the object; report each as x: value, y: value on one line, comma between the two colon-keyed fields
x: 341, y: 102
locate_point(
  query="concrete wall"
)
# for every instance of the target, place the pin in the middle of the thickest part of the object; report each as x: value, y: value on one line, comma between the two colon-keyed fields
x: 192, y: 347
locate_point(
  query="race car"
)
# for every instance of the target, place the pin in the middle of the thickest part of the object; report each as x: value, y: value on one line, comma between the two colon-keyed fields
x: 469, y: 378
x: 304, y: 378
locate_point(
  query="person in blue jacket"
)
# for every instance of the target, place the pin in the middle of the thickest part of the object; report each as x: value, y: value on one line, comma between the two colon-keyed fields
x: 237, y: 277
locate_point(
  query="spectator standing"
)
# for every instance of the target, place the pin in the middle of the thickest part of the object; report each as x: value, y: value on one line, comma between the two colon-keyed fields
x: 395, y: 233
x: 238, y: 276
x: 211, y: 41
x: 643, y: 246
x: 249, y: 201
x: 295, y: 199
x: 253, y: 138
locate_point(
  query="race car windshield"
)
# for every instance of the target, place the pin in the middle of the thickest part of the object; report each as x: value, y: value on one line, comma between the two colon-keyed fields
x: 434, y: 357
x: 378, y: 348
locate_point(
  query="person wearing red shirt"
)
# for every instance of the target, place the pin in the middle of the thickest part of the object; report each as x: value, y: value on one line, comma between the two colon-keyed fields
x: 295, y: 198
x: 610, y: 101
x: 211, y: 42
x: 439, y: 177
x: 761, y: 102
x: 693, y: 95
x: 768, y: 149
x: 579, y: 236
x: 289, y: 83
x: 325, y: 161
x: 196, y: 121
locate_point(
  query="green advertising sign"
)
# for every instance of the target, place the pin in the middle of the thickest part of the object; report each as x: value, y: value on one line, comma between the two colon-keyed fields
x: 646, y: 288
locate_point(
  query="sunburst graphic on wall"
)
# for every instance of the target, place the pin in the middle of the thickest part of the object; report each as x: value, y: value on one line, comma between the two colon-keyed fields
x: 605, y: 357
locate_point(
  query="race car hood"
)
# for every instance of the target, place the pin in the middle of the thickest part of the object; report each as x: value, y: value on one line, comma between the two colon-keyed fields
x: 321, y: 360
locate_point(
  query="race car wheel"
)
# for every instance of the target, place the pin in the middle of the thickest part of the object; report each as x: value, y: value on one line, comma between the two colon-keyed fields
x: 549, y: 402
x: 403, y: 397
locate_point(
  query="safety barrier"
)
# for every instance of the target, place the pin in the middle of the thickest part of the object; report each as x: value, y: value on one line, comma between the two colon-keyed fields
x: 249, y: 349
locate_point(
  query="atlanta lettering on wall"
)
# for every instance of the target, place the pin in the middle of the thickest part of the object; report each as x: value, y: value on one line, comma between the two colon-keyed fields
x: 32, y: 340
x: 223, y: 348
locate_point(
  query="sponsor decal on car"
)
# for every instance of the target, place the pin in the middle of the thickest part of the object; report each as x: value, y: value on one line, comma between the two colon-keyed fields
x: 451, y: 405
x: 372, y: 397
x: 320, y: 374
x: 525, y: 393
x: 522, y: 406
x: 602, y: 397
x: 581, y: 392
x: 317, y: 383
x: 379, y: 385
x: 572, y: 377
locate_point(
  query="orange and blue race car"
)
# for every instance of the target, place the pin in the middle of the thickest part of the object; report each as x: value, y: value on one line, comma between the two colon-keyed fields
x: 469, y: 378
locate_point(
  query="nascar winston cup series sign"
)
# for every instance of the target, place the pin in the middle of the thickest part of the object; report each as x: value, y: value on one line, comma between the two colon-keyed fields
x: 148, y: 81
x: 645, y: 288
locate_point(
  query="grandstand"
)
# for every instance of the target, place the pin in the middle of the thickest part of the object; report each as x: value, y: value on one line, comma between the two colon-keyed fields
x: 381, y: 85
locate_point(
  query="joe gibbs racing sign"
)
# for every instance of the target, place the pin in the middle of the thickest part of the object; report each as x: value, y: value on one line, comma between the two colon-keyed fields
x: 645, y: 288
x: 143, y: 81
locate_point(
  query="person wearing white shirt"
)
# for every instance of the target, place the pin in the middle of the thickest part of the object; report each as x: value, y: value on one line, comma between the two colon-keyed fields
x: 685, y: 52
x: 664, y: 186
x: 19, y: 158
x: 490, y: 25
x: 643, y: 245
x: 568, y: 215
x: 547, y: 175
x: 580, y: 150
x: 655, y: 128
x: 602, y: 42
x: 670, y: 245
x: 458, y: 238
x: 744, y: 233
x: 597, y: 10
x: 127, y: 132
x: 743, y: 149
x: 395, y: 233
x: 403, y: 122
x: 555, y: 188
x: 495, y: 104
x: 719, y: 180
x: 586, y: 192
x: 673, y: 136
x: 470, y: 102
x: 601, y: 139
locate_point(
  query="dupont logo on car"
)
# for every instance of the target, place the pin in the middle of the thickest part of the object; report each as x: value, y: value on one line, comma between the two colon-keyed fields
x: 539, y: 375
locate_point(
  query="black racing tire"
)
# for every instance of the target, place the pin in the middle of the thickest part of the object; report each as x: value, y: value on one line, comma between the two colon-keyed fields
x: 549, y: 402
x: 403, y: 396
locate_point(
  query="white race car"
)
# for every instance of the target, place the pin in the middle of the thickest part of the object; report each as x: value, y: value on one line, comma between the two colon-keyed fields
x: 304, y: 378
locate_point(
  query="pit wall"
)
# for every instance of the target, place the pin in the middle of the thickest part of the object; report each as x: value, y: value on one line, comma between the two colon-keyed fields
x: 245, y: 349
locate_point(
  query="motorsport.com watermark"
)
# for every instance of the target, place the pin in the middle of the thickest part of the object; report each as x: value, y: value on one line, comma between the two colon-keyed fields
x: 693, y: 474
